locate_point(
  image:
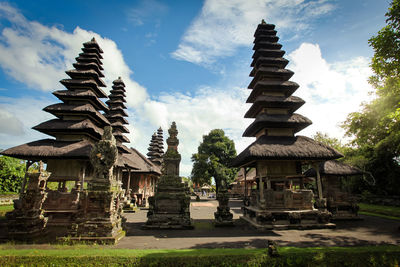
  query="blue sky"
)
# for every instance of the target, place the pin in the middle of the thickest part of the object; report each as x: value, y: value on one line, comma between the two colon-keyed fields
x: 185, y: 61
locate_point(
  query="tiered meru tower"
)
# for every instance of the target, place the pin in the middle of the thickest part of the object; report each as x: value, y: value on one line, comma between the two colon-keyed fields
x: 170, y: 206
x: 116, y: 114
x: 280, y: 200
x: 79, y: 129
x: 156, y: 148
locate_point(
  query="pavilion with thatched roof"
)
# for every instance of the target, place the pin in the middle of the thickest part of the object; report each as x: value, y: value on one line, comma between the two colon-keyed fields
x: 340, y: 203
x: 277, y: 154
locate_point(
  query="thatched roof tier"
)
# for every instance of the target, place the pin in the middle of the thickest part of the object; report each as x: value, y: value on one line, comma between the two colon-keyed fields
x: 285, y: 148
x: 89, y: 66
x: 56, y: 127
x: 83, y: 59
x: 267, y: 45
x: 294, y: 121
x: 334, y: 168
x: 266, y: 38
x: 84, y: 95
x: 141, y: 162
x: 93, y: 43
x: 277, y: 62
x: 91, y: 51
x: 85, y: 110
x: 262, y: 87
x: 118, y: 82
x: 117, y: 118
x: 121, y: 137
x: 74, y: 84
x: 292, y: 103
x: 268, y: 53
x: 91, y: 56
x: 123, y: 149
x: 86, y: 74
x: 118, y: 92
x: 263, y: 26
x: 117, y: 111
x: 50, y: 149
x: 117, y: 97
x: 263, y: 73
x: 263, y: 31
x: 120, y: 127
x: 116, y: 103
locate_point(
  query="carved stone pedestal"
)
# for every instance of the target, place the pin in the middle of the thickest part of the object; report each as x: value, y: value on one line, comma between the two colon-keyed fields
x: 100, y: 217
x: 223, y: 216
x: 27, y: 222
x: 170, y: 206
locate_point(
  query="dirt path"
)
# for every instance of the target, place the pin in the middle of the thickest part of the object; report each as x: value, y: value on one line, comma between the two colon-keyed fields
x: 370, y: 231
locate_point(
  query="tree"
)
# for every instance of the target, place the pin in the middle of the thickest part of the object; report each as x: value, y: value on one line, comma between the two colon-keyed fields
x: 12, y: 172
x: 376, y: 128
x: 212, y: 159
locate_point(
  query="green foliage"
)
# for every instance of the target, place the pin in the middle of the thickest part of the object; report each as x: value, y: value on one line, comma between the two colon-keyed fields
x: 389, y: 212
x: 12, y: 172
x: 376, y: 128
x: 386, y: 45
x: 288, y: 256
x: 213, y: 158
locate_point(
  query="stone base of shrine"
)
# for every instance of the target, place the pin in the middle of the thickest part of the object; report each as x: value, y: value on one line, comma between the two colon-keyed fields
x: 168, y: 221
x: 264, y: 219
x: 345, y: 216
x: 344, y: 212
x: 107, y: 240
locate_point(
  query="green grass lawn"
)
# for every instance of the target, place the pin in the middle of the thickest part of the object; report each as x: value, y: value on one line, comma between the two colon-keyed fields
x: 388, y: 212
x: 288, y: 256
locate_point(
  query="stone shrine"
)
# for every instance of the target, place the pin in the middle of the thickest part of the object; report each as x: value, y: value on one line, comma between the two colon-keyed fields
x: 100, y: 217
x: 27, y: 220
x: 223, y: 216
x: 170, y: 206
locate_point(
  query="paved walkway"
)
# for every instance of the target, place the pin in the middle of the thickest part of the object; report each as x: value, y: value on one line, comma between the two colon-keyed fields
x: 370, y: 231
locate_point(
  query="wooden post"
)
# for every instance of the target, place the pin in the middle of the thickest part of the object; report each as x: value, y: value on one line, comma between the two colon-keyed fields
x: 319, y: 184
x: 83, y: 177
x: 129, y: 183
x: 245, y: 183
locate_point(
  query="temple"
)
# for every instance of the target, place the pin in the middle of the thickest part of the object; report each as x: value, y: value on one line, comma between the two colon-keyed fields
x: 80, y: 190
x: 340, y: 203
x: 280, y: 201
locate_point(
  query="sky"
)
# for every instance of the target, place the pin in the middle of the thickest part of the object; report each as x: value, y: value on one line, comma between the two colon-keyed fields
x: 185, y: 61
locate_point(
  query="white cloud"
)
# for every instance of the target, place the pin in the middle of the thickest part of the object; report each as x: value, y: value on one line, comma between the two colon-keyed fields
x: 144, y: 10
x: 38, y: 55
x: 331, y: 90
x: 18, y: 116
x: 11, y: 124
x: 209, y: 108
x: 224, y: 25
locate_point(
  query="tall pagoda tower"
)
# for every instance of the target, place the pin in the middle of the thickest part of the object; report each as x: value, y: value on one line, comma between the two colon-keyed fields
x: 79, y: 115
x: 116, y: 114
x: 156, y: 148
x: 278, y: 153
x: 78, y: 129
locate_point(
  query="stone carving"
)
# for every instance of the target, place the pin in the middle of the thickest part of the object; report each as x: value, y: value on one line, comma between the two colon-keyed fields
x: 223, y: 216
x: 170, y: 206
x: 101, y: 216
x: 27, y: 220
